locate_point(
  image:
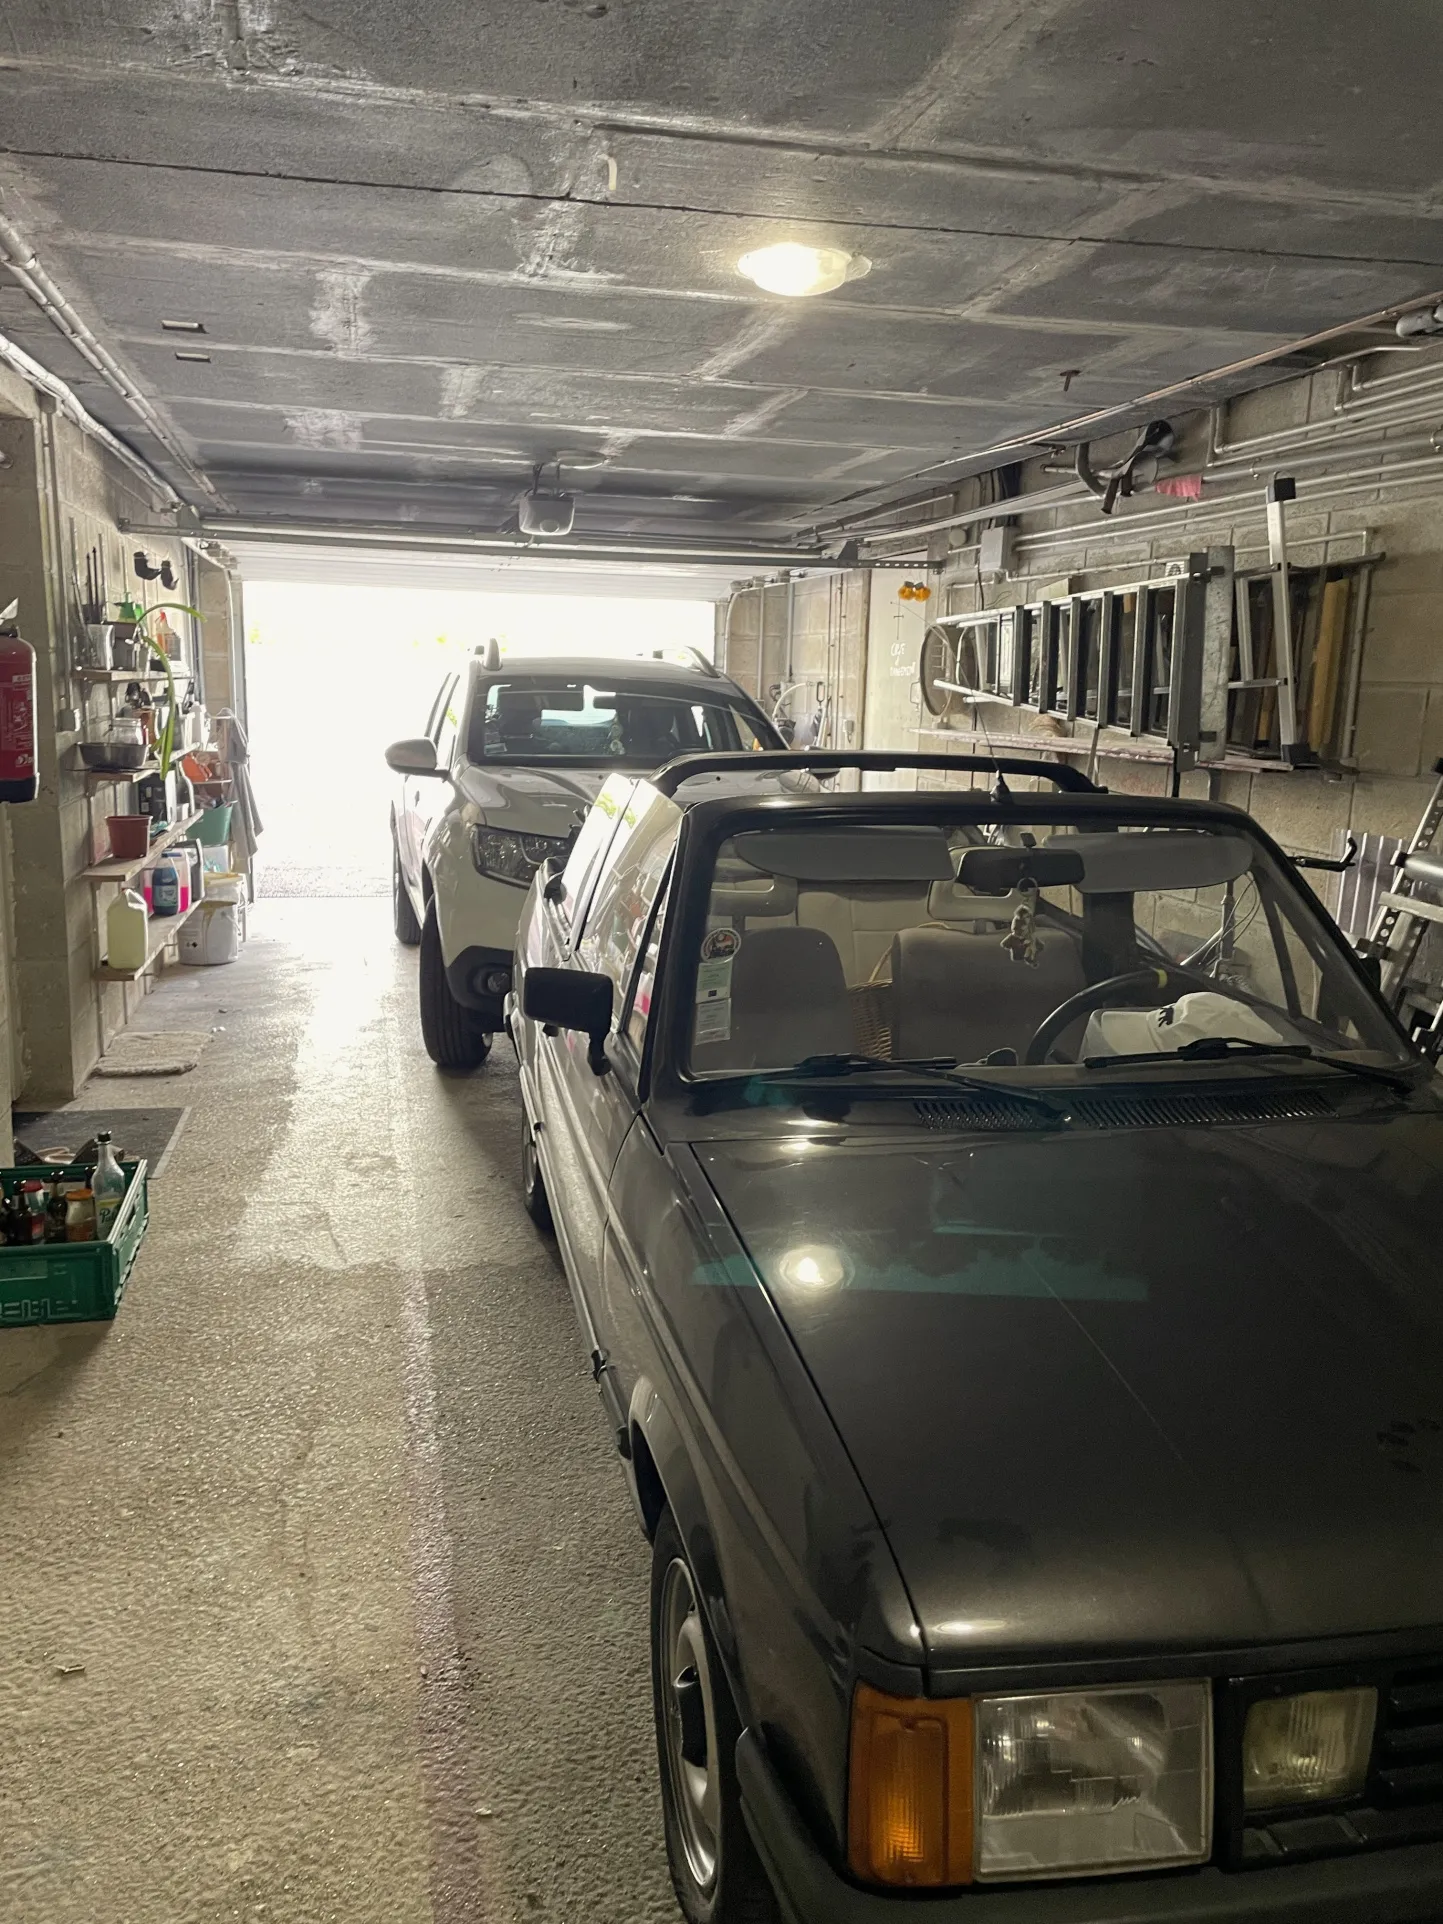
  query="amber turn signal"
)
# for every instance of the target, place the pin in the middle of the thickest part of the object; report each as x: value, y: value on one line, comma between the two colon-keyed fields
x: 909, y: 1790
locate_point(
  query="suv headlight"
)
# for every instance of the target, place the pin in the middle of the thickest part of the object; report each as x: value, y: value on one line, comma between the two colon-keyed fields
x: 507, y: 857
x: 1076, y: 1783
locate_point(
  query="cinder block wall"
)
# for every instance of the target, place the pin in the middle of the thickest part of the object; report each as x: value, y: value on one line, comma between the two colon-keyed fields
x: 868, y: 655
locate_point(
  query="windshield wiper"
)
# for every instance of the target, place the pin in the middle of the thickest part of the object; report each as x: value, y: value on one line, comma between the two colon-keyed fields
x: 939, y: 1068
x: 1218, y: 1048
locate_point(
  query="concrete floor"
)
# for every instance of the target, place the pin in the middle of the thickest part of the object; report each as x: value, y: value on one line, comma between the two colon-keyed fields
x: 328, y: 1515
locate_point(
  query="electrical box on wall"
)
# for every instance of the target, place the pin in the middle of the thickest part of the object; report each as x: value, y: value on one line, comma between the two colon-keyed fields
x: 995, y: 550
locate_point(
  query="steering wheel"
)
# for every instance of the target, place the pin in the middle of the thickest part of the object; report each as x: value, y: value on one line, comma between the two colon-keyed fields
x: 1117, y: 988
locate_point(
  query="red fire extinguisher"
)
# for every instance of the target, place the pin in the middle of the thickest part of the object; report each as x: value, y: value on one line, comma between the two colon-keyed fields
x: 18, y: 739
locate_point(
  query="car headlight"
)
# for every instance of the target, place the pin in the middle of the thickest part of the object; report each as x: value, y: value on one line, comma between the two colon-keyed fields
x: 1064, y: 1784
x: 1078, y: 1782
x: 507, y: 857
x: 1307, y: 1749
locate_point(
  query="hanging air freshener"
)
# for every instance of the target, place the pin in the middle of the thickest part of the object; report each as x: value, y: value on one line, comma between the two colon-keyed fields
x: 1021, y: 941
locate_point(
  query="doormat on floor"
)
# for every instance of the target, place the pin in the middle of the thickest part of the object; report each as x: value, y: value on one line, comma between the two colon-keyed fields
x: 147, y: 1133
x: 166, y: 1052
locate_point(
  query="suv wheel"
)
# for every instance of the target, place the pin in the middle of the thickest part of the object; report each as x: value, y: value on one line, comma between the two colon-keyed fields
x: 403, y: 916
x: 713, y: 1863
x: 533, y: 1189
x: 452, y: 1034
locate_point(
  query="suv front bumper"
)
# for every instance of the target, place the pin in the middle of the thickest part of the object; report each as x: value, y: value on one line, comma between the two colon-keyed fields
x: 466, y: 979
x: 1402, y: 1885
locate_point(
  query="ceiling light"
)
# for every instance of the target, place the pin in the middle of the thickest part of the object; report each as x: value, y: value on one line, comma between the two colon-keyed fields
x: 789, y: 268
x: 184, y: 327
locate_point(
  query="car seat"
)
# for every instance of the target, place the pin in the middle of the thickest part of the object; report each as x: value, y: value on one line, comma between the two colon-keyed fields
x: 963, y: 995
x: 788, y: 1000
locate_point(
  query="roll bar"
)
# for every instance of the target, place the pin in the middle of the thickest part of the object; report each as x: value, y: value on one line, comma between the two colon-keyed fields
x: 669, y: 778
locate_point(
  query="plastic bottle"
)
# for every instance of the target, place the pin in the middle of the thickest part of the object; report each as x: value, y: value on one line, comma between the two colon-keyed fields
x: 125, y: 931
x: 165, y: 888
x: 107, y: 1185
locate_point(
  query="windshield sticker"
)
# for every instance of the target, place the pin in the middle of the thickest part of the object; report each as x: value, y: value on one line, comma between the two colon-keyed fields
x: 714, y: 1021
x: 720, y: 944
x: 714, y: 980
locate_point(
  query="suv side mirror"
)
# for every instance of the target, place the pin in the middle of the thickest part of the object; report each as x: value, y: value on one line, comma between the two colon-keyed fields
x: 414, y: 756
x: 572, y: 999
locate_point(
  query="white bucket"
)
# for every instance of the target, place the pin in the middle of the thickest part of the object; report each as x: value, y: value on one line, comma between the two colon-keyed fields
x: 212, y: 935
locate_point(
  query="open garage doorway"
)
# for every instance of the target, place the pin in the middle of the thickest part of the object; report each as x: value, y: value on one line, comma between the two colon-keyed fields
x: 335, y: 672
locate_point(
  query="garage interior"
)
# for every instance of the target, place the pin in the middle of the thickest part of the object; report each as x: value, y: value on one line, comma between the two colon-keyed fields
x: 1116, y: 422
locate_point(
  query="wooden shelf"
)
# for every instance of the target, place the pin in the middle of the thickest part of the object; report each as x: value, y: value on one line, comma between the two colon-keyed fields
x: 123, y: 872
x: 162, y: 928
x: 104, y: 778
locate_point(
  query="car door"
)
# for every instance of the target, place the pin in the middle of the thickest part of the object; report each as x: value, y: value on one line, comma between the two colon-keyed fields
x: 419, y: 794
x: 587, y: 1115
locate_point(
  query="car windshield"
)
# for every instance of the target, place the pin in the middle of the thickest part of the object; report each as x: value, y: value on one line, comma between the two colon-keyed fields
x: 544, y: 720
x: 1019, y: 948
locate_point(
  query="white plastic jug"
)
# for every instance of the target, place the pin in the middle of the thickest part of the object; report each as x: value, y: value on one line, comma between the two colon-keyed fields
x: 126, y: 930
x: 212, y: 935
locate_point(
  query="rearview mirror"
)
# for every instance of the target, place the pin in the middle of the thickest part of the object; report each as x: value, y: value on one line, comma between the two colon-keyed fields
x: 572, y: 999
x: 998, y: 871
x: 414, y: 756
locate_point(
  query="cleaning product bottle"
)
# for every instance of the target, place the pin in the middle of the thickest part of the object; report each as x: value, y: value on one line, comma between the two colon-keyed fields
x: 107, y: 1185
x: 125, y: 930
x: 165, y: 888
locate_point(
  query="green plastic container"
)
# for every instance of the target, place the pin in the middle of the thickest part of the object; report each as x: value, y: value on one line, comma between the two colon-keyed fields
x: 72, y: 1282
x: 213, y: 828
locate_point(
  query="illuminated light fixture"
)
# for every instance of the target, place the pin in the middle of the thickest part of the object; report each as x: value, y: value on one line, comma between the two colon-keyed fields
x: 787, y: 267
x: 914, y: 591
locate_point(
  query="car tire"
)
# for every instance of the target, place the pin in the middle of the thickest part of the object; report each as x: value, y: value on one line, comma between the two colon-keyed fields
x: 403, y: 915
x: 714, y: 1866
x: 533, y: 1189
x: 453, y: 1035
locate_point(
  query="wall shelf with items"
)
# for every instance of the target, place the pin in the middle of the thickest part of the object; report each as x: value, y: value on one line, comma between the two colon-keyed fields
x: 123, y: 872
x: 162, y: 928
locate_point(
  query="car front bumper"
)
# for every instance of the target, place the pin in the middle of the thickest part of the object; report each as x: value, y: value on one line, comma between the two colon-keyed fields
x: 465, y: 977
x: 1403, y: 1885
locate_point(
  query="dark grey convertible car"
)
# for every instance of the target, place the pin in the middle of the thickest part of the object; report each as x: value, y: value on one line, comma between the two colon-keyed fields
x: 1006, y: 1223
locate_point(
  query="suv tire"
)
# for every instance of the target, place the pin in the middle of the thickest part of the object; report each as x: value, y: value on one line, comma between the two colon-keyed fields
x: 713, y: 1862
x: 403, y: 916
x: 453, y: 1035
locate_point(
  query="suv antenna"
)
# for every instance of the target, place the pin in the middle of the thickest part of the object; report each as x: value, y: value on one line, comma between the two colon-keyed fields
x: 490, y: 656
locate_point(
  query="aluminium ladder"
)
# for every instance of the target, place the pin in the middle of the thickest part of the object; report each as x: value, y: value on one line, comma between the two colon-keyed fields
x: 1403, y: 915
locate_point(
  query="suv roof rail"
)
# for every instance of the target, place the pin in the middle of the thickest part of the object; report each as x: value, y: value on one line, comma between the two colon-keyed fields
x: 699, y: 660
x: 670, y: 776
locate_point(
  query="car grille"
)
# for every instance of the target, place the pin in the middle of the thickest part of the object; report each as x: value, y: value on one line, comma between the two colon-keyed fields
x: 1128, y: 1109
x: 1403, y: 1800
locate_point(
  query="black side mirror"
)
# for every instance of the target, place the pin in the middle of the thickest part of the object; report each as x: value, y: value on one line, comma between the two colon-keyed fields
x: 572, y: 999
x: 554, y: 871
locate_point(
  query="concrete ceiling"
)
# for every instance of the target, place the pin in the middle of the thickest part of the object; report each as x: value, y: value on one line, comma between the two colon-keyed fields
x: 432, y: 243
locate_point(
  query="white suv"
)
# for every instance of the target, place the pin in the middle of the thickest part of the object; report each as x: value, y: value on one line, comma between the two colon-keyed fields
x: 525, y: 746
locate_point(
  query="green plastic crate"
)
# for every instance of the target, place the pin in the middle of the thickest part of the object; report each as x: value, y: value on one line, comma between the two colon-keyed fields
x: 72, y: 1282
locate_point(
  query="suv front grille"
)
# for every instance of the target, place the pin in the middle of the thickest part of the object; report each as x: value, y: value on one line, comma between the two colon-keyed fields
x: 1409, y: 1751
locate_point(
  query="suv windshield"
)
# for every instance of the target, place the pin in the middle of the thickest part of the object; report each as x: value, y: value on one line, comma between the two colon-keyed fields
x: 1014, y: 946
x: 539, y: 719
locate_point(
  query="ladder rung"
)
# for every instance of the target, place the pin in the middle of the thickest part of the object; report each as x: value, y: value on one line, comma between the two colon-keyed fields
x: 1410, y: 905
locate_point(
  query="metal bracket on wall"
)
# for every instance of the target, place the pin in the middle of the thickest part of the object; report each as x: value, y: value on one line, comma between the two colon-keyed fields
x: 1282, y: 489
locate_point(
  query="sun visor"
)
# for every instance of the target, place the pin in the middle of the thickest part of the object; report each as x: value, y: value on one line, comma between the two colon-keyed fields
x: 890, y: 854
x: 1122, y: 864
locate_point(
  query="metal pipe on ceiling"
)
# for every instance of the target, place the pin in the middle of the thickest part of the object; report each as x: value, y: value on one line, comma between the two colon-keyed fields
x: 23, y: 262
x: 372, y: 535
x: 75, y: 412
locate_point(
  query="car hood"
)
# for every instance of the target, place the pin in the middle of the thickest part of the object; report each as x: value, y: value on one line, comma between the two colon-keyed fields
x: 1136, y: 1389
